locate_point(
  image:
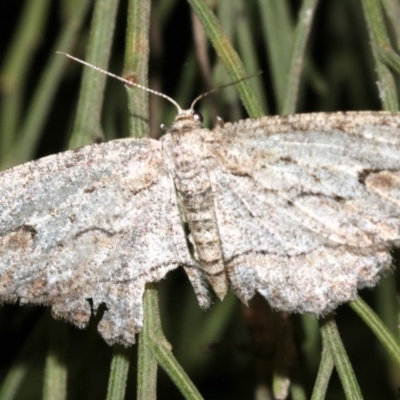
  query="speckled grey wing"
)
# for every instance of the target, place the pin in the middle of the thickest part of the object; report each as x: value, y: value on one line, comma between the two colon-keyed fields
x: 308, y: 206
x: 95, y: 223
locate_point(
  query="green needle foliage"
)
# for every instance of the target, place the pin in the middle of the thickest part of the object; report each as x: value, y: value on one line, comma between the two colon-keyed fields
x: 315, y: 56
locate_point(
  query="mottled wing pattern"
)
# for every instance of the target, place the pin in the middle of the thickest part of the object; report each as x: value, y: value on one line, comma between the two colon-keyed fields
x: 308, y: 206
x: 93, y: 223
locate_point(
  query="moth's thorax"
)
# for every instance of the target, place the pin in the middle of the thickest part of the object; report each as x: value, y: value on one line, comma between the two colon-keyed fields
x: 185, y: 144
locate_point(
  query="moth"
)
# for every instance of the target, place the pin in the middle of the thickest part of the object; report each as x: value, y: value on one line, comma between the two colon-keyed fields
x: 303, y: 209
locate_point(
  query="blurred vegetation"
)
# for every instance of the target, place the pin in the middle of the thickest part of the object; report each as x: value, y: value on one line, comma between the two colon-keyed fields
x: 315, y: 56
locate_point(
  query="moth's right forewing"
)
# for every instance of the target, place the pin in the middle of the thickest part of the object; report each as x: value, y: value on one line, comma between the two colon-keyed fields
x: 95, y: 223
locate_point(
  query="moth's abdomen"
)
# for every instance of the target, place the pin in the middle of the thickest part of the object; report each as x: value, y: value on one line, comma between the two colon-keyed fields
x: 199, y: 211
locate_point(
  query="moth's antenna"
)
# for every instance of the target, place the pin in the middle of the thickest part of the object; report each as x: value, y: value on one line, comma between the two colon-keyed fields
x: 130, y: 82
x: 223, y: 87
x: 126, y: 81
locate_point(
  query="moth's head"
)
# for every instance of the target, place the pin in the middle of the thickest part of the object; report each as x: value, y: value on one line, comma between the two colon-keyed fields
x: 188, y: 119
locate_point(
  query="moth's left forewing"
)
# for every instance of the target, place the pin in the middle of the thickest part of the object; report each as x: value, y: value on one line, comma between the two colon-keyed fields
x: 94, y: 223
x: 307, y: 205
